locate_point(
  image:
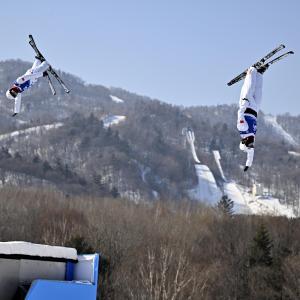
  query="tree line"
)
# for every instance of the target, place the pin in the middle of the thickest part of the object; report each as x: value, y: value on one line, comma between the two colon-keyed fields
x: 163, y: 250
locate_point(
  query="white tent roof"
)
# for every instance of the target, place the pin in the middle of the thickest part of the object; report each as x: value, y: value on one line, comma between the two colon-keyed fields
x: 36, y: 250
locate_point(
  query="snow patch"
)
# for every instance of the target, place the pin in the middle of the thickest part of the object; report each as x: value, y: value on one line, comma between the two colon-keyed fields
x: 116, y: 99
x: 246, y: 203
x: 294, y: 153
x: 234, y: 193
x: 261, y: 205
x: 272, y: 121
x: 27, y: 131
x: 113, y: 120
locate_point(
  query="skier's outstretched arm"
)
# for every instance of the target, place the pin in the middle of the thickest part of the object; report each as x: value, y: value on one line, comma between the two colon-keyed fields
x: 250, y: 156
x: 23, y: 78
x: 17, y: 107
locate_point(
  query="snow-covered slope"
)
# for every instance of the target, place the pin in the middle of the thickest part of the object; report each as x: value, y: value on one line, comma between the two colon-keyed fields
x: 261, y: 205
x: 293, y: 153
x: 272, y: 121
x: 116, y: 99
x: 244, y: 202
x: 206, y: 190
x: 234, y: 193
x: 113, y: 120
x: 31, y: 130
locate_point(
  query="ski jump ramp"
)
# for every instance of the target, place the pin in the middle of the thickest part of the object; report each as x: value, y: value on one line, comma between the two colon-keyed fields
x: 206, y: 189
x: 34, y: 272
x: 231, y: 189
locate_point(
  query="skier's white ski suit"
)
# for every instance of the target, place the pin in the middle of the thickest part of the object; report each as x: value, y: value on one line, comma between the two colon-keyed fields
x: 250, y: 100
x: 28, y: 79
x: 251, y: 93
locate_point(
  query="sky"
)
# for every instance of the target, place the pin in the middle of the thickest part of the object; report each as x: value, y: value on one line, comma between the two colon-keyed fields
x: 179, y: 51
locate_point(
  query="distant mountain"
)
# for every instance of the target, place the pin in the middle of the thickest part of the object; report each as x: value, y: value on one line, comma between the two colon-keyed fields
x: 101, y: 141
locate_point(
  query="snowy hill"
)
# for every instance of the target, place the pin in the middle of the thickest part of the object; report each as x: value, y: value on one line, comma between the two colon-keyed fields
x: 209, y: 192
x: 104, y: 135
x: 278, y: 129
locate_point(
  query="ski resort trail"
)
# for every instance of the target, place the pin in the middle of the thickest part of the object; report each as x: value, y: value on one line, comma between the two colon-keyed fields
x: 30, y: 130
x: 113, y: 120
x: 272, y: 121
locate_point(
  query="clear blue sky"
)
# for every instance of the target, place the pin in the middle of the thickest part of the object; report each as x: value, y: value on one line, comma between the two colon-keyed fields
x: 179, y: 51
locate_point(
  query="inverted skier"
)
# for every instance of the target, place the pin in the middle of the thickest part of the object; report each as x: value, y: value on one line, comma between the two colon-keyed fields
x: 250, y: 100
x: 38, y: 70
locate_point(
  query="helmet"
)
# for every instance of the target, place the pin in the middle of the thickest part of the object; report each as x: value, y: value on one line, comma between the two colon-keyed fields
x: 12, y: 93
x: 9, y: 95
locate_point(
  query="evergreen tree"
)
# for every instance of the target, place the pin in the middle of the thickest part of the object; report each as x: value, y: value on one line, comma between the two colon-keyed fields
x: 225, y: 205
x: 114, y: 192
x: 261, y: 250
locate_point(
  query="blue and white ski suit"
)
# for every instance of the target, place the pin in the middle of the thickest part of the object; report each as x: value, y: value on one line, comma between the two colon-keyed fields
x: 28, y: 79
x: 250, y: 101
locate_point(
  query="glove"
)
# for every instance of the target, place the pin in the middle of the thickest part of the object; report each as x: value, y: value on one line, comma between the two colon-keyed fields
x: 246, y: 168
x: 242, y: 125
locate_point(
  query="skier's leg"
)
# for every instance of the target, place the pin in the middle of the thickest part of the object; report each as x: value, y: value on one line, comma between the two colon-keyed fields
x: 17, y: 107
x: 36, y: 63
x: 258, y: 89
x: 41, y: 68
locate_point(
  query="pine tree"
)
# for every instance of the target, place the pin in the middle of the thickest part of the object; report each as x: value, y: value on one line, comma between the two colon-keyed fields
x: 225, y: 205
x: 261, y: 250
x: 114, y: 192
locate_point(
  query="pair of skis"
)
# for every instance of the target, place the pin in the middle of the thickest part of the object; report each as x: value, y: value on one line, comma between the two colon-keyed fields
x: 51, y: 70
x: 262, y: 62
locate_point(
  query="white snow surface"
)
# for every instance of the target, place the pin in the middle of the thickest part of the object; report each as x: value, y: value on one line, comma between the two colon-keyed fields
x: 234, y: 193
x: 25, y: 248
x: 244, y: 202
x: 294, y: 153
x: 116, y: 99
x: 261, y: 205
x: 206, y: 190
x: 113, y: 120
x: 36, y: 129
x: 272, y: 121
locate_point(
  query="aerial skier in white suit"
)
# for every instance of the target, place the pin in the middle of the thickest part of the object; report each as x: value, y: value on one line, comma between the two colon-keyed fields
x: 38, y: 70
x: 250, y: 100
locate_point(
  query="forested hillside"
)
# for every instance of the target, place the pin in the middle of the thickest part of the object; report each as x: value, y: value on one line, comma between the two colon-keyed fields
x: 142, y: 155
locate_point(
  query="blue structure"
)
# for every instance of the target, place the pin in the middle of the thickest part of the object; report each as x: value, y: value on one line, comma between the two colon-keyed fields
x: 35, y: 272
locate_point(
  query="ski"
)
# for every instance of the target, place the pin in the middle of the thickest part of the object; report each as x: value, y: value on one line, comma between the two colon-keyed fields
x: 51, y: 85
x: 51, y: 70
x: 56, y: 76
x: 257, y: 64
x: 279, y: 58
